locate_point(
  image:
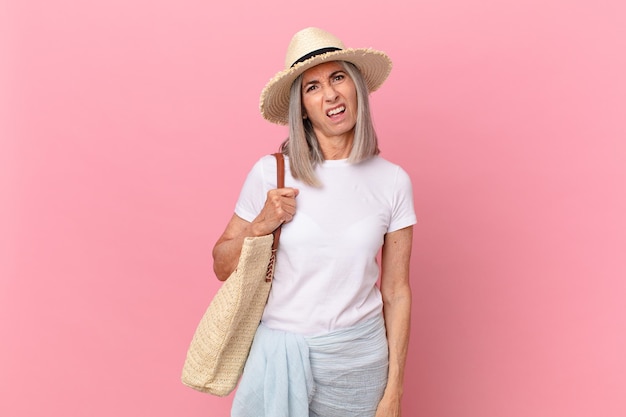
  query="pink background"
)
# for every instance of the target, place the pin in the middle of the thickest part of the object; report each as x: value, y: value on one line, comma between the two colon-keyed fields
x: 127, y: 128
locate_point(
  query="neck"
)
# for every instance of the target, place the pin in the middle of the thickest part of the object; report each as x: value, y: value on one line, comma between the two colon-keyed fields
x: 336, y: 147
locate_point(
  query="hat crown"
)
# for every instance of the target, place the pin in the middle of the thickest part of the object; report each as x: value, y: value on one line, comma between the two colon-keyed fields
x: 310, y: 40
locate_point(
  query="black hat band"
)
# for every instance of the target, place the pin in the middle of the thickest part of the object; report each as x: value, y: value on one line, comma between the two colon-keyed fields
x: 315, y: 53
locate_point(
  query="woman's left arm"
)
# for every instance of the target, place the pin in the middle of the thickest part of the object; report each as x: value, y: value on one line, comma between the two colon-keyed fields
x: 396, y: 292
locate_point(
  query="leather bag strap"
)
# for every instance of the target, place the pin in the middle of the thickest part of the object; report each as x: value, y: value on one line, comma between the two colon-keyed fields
x: 280, y: 183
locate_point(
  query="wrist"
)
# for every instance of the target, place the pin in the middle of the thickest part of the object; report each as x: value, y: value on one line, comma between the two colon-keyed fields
x: 257, y: 229
x: 394, y: 391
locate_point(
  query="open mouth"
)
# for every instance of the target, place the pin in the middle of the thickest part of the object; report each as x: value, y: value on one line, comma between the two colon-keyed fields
x: 335, y: 111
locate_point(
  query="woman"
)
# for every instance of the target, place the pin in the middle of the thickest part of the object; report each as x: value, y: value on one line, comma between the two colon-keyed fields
x: 331, y: 343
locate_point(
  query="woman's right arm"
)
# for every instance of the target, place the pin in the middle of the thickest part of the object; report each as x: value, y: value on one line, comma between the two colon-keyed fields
x: 279, y: 208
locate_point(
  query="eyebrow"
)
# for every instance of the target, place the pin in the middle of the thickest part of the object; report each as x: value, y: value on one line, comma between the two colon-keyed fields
x: 316, y: 81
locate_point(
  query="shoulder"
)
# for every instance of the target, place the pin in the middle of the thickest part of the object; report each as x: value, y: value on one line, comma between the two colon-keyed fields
x: 384, y: 166
x: 264, y: 170
x: 265, y: 161
x: 264, y: 164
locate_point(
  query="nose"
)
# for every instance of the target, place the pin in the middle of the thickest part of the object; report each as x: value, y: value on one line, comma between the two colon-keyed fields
x: 330, y: 94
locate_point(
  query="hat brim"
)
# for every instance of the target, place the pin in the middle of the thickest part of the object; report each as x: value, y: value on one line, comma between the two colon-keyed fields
x: 274, y: 103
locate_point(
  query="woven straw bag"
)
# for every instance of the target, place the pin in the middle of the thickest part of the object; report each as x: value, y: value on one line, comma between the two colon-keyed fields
x: 220, y: 345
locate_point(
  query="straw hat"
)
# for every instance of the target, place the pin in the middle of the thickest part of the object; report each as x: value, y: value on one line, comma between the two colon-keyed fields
x: 311, y: 47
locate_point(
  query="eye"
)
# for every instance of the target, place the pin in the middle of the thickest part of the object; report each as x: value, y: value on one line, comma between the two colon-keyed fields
x: 339, y: 77
x: 311, y: 87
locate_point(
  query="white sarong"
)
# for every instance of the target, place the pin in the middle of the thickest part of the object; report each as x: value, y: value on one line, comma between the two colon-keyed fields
x: 342, y: 373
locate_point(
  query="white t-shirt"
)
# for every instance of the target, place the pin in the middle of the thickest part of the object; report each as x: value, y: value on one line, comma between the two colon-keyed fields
x: 326, y: 268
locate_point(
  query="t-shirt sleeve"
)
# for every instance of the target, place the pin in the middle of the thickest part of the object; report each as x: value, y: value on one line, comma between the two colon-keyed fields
x: 403, y: 212
x: 253, y: 193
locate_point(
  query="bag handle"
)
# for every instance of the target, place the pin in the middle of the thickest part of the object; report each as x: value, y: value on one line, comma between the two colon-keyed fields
x: 280, y: 183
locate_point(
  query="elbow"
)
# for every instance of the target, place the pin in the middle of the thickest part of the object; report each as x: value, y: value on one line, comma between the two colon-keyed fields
x: 218, y: 267
x: 398, y: 295
x: 221, y: 278
x: 218, y: 275
x: 224, y: 260
x: 220, y: 271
